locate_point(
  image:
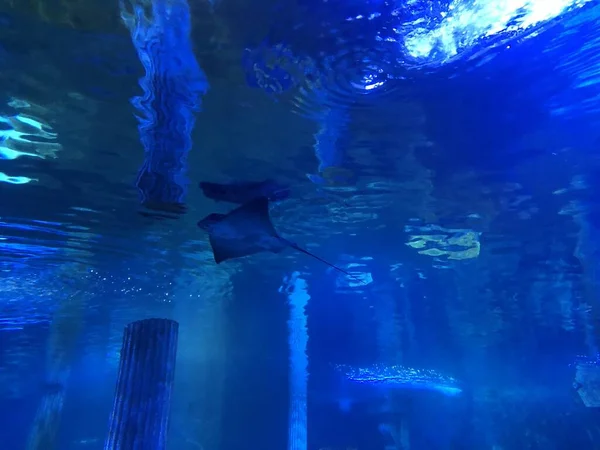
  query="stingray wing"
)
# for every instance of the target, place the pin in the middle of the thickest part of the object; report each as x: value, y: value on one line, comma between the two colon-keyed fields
x: 210, y: 221
x: 243, y: 192
x: 227, y: 248
x: 252, y: 219
x: 238, y: 192
x: 245, y: 231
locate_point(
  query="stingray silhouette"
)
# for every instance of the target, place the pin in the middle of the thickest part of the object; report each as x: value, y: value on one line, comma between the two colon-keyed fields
x: 248, y: 230
x: 244, y: 191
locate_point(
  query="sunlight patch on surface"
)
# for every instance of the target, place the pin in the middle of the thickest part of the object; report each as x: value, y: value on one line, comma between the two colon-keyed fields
x: 467, y: 22
x: 24, y: 131
x: 22, y: 135
x: 4, y: 178
x: 444, y: 243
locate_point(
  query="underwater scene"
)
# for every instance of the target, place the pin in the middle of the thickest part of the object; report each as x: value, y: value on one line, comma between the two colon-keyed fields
x: 299, y: 224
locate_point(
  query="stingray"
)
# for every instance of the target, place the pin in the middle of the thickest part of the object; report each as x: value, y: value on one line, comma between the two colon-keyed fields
x: 242, y: 192
x: 248, y: 230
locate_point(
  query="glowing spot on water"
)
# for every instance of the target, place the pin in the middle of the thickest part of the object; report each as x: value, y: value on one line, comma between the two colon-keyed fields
x: 26, y: 130
x: 33, y: 123
x: 370, y: 87
x: 7, y: 153
x: 360, y: 17
x: 14, y: 180
x: 17, y: 103
x: 465, y: 23
x: 22, y: 136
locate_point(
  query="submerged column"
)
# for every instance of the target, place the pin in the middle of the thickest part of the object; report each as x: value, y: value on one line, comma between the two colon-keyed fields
x: 64, y: 332
x: 295, y: 287
x: 142, y: 405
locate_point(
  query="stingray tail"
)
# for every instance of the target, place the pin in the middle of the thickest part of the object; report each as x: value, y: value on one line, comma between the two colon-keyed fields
x: 339, y: 269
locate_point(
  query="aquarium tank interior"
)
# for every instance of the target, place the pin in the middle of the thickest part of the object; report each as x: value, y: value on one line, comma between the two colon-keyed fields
x: 299, y: 225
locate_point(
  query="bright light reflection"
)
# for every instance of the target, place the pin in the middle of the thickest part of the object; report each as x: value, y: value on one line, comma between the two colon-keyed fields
x: 23, y: 131
x: 466, y: 22
x: 14, y: 180
x: 8, y: 153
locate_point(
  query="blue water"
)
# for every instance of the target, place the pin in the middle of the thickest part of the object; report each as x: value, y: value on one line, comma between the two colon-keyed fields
x: 445, y: 154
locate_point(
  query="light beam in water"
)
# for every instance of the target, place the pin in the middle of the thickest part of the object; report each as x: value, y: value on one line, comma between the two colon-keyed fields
x: 295, y: 288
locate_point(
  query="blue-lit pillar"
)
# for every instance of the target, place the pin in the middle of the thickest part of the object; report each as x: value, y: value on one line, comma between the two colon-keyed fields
x: 142, y: 405
x: 296, y: 289
x: 172, y: 86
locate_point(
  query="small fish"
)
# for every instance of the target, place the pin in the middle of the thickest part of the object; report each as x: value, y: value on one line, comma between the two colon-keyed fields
x: 242, y: 192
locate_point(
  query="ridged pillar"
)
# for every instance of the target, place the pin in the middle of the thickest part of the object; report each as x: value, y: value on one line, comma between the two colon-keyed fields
x: 142, y: 405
